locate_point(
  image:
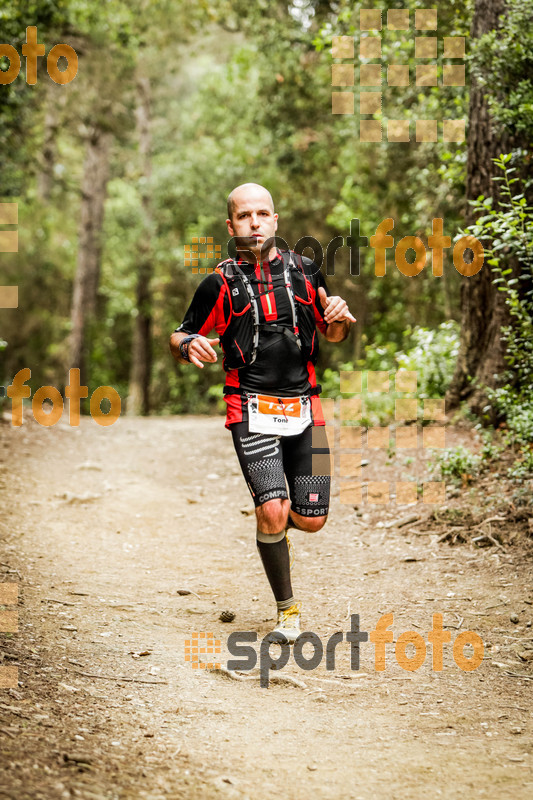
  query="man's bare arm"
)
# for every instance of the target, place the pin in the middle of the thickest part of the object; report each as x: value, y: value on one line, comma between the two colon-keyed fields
x: 174, y: 344
x: 336, y: 316
x: 337, y: 331
x: 200, y: 349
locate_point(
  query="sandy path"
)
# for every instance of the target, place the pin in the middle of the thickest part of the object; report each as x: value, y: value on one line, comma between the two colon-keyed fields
x: 104, y: 525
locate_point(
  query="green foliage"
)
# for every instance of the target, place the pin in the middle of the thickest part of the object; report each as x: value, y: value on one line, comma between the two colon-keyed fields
x: 246, y: 100
x: 411, y: 184
x: 490, y: 450
x: 517, y: 432
x: 457, y: 463
x: 378, y: 409
x: 520, y: 423
x: 375, y: 358
x: 430, y: 353
x: 507, y: 231
x: 432, y: 356
x: 503, y: 63
x: 19, y: 102
x: 191, y: 391
x: 522, y: 468
x: 330, y: 380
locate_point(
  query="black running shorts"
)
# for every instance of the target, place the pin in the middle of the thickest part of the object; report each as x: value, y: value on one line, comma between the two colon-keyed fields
x: 267, y: 460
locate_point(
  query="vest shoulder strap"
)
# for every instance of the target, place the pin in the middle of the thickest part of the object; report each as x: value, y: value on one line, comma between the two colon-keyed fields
x: 292, y: 259
x: 226, y: 269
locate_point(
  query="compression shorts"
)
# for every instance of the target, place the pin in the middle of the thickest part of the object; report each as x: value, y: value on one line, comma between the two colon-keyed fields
x: 270, y: 462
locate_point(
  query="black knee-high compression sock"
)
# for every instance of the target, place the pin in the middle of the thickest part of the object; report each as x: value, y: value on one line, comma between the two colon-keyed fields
x: 274, y: 552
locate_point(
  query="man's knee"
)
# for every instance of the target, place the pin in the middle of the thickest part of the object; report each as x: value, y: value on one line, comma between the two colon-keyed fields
x: 309, y: 524
x: 314, y: 524
x: 272, y: 515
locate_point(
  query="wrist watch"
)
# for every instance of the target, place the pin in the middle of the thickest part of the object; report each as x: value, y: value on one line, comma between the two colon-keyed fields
x: 184, y: 345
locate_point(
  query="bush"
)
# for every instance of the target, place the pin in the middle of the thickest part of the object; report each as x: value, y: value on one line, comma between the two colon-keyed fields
x: 458, y: 463
x: 522, y: 467
x: 432, y: 357
x: 507, y: 233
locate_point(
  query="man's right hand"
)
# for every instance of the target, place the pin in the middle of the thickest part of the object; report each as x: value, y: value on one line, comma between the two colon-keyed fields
x: 201, y: 349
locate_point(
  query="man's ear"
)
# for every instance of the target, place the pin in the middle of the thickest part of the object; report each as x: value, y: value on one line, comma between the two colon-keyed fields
x: 230, y: 227
x: 276, y: 221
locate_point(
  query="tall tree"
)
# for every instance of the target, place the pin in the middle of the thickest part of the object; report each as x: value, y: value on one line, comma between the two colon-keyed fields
x: 483, y: 308
x: 54, y: 104
x: 99, y: 109
x: 93, y: 193
x: 139, y: 385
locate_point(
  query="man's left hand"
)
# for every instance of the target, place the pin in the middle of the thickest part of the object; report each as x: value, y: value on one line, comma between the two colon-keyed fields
x: 335, y: 308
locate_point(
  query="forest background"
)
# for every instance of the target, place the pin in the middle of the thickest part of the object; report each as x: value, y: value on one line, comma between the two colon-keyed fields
x: 176, y: 103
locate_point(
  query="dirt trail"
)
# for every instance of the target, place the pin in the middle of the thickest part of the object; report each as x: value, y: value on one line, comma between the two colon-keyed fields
x: 101, y: 527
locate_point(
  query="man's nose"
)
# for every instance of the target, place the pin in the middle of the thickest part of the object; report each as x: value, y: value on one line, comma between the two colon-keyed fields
x: 254, y: 221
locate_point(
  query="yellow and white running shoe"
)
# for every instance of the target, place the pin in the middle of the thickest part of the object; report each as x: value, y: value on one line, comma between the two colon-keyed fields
x: 288, y: 628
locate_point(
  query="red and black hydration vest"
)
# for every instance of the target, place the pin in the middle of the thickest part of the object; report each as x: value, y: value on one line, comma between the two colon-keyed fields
x: 242, y: 336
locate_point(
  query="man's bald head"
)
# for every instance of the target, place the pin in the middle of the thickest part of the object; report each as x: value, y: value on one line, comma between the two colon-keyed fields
x: 248, y: 191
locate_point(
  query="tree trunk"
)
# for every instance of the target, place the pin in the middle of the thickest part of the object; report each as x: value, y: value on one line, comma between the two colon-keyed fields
x: 95, y: 177
x: 141, y: 354
x: 483, y: 308
x: 55, y: 102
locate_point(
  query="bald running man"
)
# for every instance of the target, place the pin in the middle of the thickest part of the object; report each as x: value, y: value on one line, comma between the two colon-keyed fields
x: 266, y: 306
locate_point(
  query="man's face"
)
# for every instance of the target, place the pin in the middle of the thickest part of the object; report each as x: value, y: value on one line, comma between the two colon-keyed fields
x: 253, y: 220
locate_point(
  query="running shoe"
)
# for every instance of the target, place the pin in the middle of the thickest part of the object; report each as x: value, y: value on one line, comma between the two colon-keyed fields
x: 288, y: 628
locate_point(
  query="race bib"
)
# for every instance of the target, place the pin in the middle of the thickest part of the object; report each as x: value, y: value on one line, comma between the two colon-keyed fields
x: 283, y: 416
